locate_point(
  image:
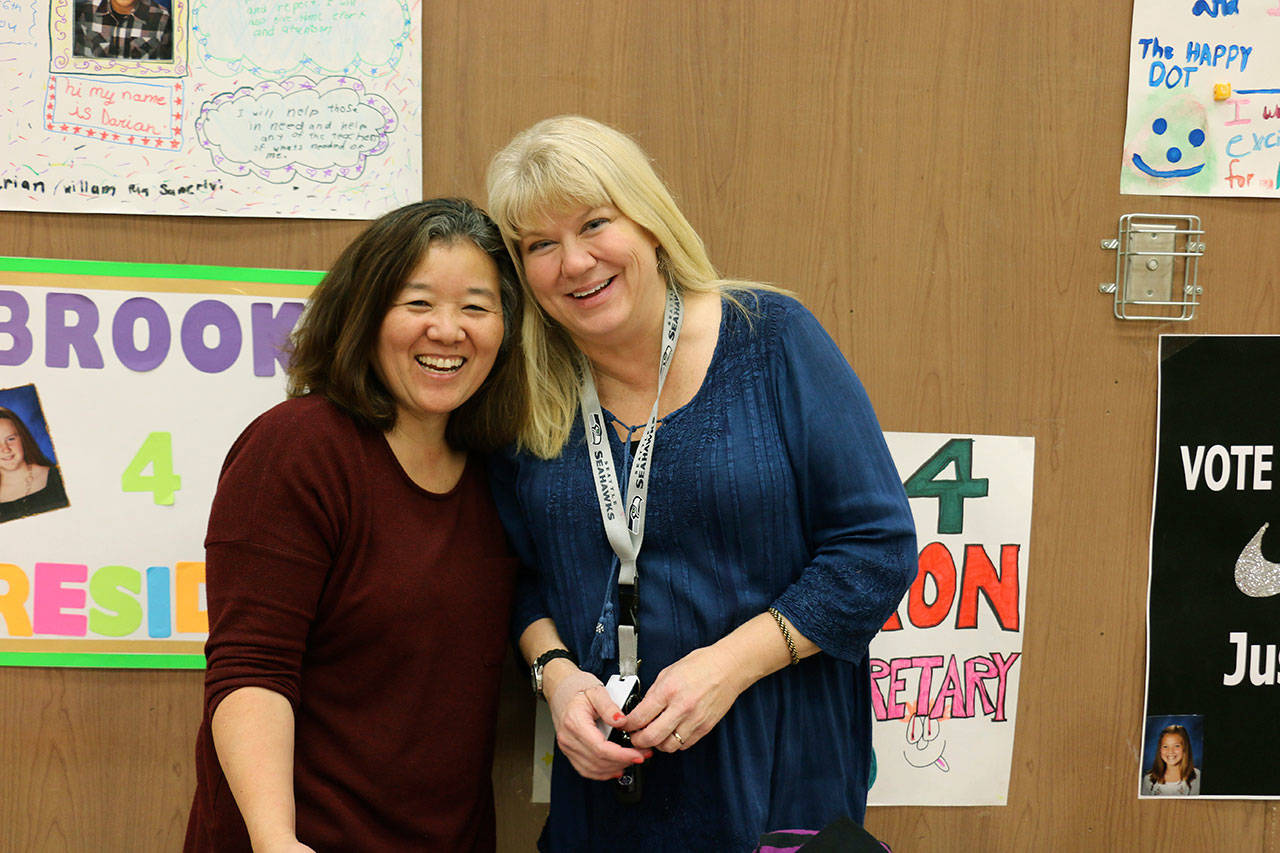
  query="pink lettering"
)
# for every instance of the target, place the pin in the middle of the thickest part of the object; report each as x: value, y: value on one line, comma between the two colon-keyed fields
x: 51, y: 598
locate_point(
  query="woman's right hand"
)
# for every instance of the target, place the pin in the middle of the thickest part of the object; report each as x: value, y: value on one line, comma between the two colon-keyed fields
x: 577, y: 701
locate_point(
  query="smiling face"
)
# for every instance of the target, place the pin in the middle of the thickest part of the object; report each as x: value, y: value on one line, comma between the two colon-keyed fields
x: 442, y: 333
x: 11, y: 455
x: 595, y: 272
x: 1173, y: 161
x: 1171, y: 750
x: 1168, y: 146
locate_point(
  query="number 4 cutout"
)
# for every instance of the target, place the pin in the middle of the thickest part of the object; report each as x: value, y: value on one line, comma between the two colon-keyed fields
x: 157, y: 453
x: 924, y: 483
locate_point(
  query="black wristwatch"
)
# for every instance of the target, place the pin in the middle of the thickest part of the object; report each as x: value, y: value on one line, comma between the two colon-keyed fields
x: 540, y: 664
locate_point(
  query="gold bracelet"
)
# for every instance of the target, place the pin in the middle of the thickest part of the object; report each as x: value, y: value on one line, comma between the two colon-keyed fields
x: 786, y: 635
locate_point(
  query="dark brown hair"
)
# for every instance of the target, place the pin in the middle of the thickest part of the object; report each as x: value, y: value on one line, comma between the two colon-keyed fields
x: 331, y: 350
x: 31, y: 452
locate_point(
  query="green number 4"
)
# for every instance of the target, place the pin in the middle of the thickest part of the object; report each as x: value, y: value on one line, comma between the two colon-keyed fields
x: 155, y: 453
x: 924, y: 483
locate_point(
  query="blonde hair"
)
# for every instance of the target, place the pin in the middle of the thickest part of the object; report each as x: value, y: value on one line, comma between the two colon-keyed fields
x: 570, y: 162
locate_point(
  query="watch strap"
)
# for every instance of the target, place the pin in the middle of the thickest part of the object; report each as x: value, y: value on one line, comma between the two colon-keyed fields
x: 541, y: 662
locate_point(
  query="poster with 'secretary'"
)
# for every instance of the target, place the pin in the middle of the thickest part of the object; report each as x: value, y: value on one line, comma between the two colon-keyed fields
x: 946, y: 666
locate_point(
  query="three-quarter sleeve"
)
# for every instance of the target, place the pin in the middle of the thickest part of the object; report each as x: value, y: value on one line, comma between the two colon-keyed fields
x: 853, y: 506
x: 274, y: 532
x: 528, y: 605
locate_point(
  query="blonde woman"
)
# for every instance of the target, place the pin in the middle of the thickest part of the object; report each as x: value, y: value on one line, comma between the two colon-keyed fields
x: 710, y: 518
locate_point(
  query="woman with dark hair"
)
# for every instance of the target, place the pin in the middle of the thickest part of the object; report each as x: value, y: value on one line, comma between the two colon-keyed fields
x: 708, y: 511
x: 29, y: 481
x: 358, y: 579
x: 1173, y: 771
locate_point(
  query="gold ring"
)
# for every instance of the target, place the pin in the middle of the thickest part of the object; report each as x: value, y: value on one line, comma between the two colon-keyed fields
x: 679, y: 739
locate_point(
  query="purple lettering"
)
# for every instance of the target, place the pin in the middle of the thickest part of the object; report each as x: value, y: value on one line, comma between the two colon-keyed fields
x: 61, y: 338
x: 270, y: 334
x: 202, y: 315
x: 158, y: 335
x: 16, y: 328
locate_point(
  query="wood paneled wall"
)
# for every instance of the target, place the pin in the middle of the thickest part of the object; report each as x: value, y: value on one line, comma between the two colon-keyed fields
x: 933, y: 180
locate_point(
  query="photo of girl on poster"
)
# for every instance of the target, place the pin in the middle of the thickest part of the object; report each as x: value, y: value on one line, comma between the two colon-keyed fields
x: 1173, y: 771
x: 30, y: 481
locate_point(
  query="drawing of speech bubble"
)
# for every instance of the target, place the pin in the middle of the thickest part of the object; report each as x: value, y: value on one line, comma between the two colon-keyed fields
x: 276, y: 37
x: 277, y: 131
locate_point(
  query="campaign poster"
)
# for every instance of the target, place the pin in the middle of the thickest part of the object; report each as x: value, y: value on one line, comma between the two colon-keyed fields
x: 122, y: 386
x: 1204, y: 99
x: 945, y: 668
x: 290, y: 108
x: 1213, y: 616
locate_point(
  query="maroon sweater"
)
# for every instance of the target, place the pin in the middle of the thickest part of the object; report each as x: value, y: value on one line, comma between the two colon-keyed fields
x: 379, y: 610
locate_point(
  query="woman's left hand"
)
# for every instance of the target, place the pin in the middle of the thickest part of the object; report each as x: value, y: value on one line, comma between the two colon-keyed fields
x: 688, y: 698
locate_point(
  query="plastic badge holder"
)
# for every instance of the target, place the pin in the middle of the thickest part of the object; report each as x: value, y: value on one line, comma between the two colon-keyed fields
x: 623, y: 690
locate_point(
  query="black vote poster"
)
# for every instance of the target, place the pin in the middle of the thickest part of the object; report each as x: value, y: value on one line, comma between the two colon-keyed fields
x: 1213, y: 619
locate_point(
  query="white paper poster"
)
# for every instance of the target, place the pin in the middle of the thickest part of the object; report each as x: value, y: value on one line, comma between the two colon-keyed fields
x: 1204, y: 99
x: 945, y: 668
x: 248, y: 108
x: 134, y: 380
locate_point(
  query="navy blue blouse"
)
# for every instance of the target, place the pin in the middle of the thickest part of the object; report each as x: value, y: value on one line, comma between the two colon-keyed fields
x: 771, y: 487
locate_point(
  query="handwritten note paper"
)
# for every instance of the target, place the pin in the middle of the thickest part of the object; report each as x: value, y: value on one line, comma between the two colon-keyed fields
x: 1204, y: 99
x: 324, y: 131
x: 122, y: 111
x: 266, y: 109
x: 18, y: 22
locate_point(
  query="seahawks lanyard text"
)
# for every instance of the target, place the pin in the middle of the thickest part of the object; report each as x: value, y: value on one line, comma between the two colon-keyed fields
x: 626, y: 536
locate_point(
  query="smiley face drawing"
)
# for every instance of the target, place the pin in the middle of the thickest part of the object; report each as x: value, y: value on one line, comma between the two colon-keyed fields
x: 1170, y: 144
x: 1173, y: 154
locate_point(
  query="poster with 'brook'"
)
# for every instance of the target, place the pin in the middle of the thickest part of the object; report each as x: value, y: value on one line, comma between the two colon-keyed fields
x: 121, y: 388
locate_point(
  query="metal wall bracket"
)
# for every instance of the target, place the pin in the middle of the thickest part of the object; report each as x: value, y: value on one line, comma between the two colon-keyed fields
x: 1157, y: 267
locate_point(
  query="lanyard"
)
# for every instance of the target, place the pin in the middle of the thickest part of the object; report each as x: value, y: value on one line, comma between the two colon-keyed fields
x: 626, y: 536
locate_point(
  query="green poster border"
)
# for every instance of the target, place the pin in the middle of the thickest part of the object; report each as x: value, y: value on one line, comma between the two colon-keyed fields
x: 132, y: 269
x: 102, y: 661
